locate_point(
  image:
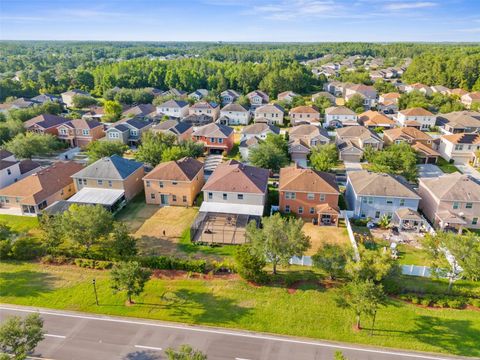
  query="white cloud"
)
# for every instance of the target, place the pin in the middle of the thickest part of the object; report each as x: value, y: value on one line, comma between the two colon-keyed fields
x: 409, y: 5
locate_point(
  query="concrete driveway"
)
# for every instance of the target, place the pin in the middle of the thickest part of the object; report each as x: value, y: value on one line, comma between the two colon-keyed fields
x: 352, y: 166
x: 467, y: 169
x: 429, y: 171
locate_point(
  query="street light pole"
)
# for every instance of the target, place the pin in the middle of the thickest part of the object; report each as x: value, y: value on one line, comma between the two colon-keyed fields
x: 95, y: 291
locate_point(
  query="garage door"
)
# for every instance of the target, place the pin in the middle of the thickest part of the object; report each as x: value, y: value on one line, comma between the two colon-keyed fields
x: 461, y: 159
x: 351, y: 157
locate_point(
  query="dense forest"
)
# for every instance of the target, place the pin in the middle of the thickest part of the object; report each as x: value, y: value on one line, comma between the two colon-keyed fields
x: 53, y: 67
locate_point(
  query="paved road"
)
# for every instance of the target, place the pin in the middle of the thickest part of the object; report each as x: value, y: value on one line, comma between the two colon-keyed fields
x: 79, y: 336
x: 429, y: 171
x: 467, y: 169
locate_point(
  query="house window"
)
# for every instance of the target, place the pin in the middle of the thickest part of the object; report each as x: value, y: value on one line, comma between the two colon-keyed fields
x: 212, y: 140
x: 389, y: 201
x: 287, y: 209
x: 110, y: 183
x: 63, y: 131
x: 147, y: 183
x: 9, y: 172
x: 300, y: 209
x: 225, y: 196
x: 184, y: 198
x: 174, y: 198
x: 370, y: 200
x: 377, y: 214
x: 133, y: 132
x: 290, y: 195
x: 174, y: 183
x: 85, y: 132
x: 311, y: 196
x: 210, y: 195
x: 100, y: 182
x: 240, y: 196
x: 402, y: 202
x: 475, y: 221
x: 364, y: 200
x: 160, y: 184
x: 456, y: 205
x: 312, y: 210
x: 152, y: 196
x: 220, y: 140
x: 468, y: 205
x: 458, y: 147
x: 322, y: 197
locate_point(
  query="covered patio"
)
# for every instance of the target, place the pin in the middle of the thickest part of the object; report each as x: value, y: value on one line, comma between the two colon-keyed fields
x: 449, y: 221
x: 408, y: 220
x: 327, y: 215
x: 111, y: 199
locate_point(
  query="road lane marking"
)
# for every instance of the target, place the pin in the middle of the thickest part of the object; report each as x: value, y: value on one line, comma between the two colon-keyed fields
x: 241, y: 359
x: 55, y: 336
x: 232, y: 333
x: 148, y: 347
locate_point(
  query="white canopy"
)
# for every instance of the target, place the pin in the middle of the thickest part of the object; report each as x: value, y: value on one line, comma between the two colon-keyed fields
x: 106, y: 197
x: 232, y: 208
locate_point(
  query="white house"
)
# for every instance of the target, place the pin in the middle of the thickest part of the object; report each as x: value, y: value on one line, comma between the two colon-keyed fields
x: 416, y: 117
x: 459, y: 148
x: 198, y: 94
x: 270, y: 113
x: 339, y: 116
x: 368, y: 93
x: 173, y: 108
x: 258, y: 98
x: 229, y: 96
x: 12, y: 170
x: 234, y: 114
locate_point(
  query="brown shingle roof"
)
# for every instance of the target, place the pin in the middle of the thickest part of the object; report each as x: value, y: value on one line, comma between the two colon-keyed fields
x: 453, y: 187
x: 37, y: 187
x: 295, y: 178
x: 376, y: 184
x: 339, y: 110
x: 184, y: 169
x: 304, y: 110
x: 373, y: 118
x: 417, y: 111
x: 406, y: 132
x: 463, y: 138
x: 214, y: 130
x: 233, y: 176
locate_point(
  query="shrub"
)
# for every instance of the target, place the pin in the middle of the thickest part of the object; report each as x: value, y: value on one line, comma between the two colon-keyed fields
x: 414, y: 299
x: 249, y: 264
x: 93, y: 264
x: 26, y: 248
x: 172, y: 263
x: 474, y: 302
x: 5, y: 248
x: 426, y: 301
x: 442, y: 302
x: 457, y: 303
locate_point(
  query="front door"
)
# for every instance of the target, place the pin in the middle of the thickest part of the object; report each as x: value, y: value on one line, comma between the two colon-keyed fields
x: 163, y: 199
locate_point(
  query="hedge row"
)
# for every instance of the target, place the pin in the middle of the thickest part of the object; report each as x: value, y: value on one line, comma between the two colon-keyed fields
x: 441, y: 301
x: 193, y: 265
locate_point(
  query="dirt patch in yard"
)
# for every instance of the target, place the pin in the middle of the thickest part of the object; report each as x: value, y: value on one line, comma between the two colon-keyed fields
x: 320, y: 235
x: 168, y: 222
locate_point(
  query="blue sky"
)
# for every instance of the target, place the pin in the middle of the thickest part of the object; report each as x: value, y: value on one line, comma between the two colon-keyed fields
x: 241, y: 20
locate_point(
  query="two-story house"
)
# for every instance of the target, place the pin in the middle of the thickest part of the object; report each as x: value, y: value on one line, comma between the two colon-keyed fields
x: 459, y: 122
x: 302, y: 138
x: 217, y: 138
x: 175, y: 93
x: 416, y: 117
x: 424, y: 89
x: 339, y: 116
x: 459, y: 148
x: 451, y: 201
x: 257, y: 98
x: 304, y: 115
x: 271, y: 114
x: 182, y: 130
x: 141, y: 111
x: 235, y: 188
x: 32, y: 194
x: 234, y: 114
x: 286, y: 96
x: 198, y: 94
x: 259, y: 130
x: 373, y: 195
x: 173, y: 108
x: 128, y: 131
x: 109, y: 181
x: 208, y: 108
x: 373, y: 119
x: 229, y: 96
x: 45, y: 124
x: 12, y: 170
x: 353, y: 140
x: 309, y: 194
x: 368, y: 93
x: 174, y: 182
x: 80, y: 132
x: 471, y: 98
x: 68, y: 96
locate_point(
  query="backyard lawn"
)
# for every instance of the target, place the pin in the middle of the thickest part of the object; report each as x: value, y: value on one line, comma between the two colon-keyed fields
x: 320, y: 235
x: 445, y: 166
x: 20, y: 223
x: 309, y: 311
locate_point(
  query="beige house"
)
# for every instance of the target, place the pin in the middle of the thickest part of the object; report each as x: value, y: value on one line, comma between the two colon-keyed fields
x: 451, y: 201
x: 339, y: 116
x: 471, y: 98
x: 373, y: 119
x: 459, y: 148
x: 416, y: 117
x: 270, y: 113
x: 353, y: 140
x: 67, y: 97
x: 304, y: 115
x: 425, y: 89
x: 302, y: 138
x: 208, y: 108
x: 37, y: 191
x: 110, y: 182
x: 174, y: 182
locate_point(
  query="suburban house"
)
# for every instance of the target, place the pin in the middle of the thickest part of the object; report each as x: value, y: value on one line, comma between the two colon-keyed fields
x: 217, y: 138
x: 309, y: 194
x: 128, y: 131
x: 259, y: 130
x: 459, y: 122
x: 20, y: 103
x: 353, y: 140
x: 373, y: 119
x: 174, y: 93
x: 234, y: 114
x: 35, y: 192
x: 388, y: 103
x: 459, y: 148
x: 286, y: 96
x: 12, y: 170
x: 426, y: 154
x: 45, y: 124
x: 141, y: 111
x: 391, y: 96
x: 368, y: 93
x: 339, y: 116
x: 336, y: 88
x: 109, y: 181
x: 246, y: 145
x: 451, y: 201
x: 44, y: 98
x: 471, y: 98
x: 373, y: 195
x: 229, y: 96
x: 234, y: 195
x: 173, y: 108
x: 209, y: 108
x: 174, y: 182
x: 458, y: 92
x: 80, y: 132
x: 182, y: 130
x: 270, y: 113
x: 67, y: 97
x: 416, y: 117
x: 198, y: 94
x: 197, y: 120
x: 94, y: 112
x: 302, y: 138
x: 324, y: 94
x: 409, y: 135
x: 424, y: 89
x: 440, y: 89
x: 257, y: 98
x: 304, y: 115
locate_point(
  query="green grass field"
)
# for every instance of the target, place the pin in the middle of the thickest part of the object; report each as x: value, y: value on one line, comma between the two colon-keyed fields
x: 20, y: 223
x: 445, y: 166
x: 310, y: 311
